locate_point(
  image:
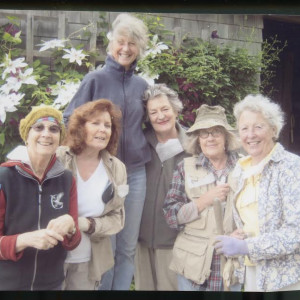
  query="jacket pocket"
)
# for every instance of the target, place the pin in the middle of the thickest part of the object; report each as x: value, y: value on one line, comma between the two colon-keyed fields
x: 192, y: 257
x: 198, y: 224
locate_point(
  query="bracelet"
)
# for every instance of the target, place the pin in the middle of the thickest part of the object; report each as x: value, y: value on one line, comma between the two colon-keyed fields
x: 92, y: 225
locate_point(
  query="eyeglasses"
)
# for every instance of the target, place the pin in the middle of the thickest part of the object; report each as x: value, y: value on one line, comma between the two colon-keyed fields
x: 216, y: 132
x: 41, y: 127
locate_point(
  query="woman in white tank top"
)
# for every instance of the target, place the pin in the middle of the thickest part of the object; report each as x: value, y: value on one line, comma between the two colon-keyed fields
x: 92, y: 139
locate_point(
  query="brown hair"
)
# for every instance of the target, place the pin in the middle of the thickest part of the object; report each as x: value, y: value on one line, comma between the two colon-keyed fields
x: 76, y: 132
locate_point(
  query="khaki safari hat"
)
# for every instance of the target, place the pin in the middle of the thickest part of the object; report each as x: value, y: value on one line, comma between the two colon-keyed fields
x: 210, y: 116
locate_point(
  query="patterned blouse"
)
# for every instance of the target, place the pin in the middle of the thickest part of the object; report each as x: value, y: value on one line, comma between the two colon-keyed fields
x: 276, y: 250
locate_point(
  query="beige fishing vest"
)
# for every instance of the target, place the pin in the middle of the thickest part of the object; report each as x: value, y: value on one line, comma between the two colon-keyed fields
x: 193, y: 249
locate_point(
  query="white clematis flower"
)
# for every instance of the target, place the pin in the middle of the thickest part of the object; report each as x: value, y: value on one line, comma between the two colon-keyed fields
x: 74, y: 55
x: 26, y: 77
x: 155, y: 47
x: 8, y: 103
x: 64, y: 92
x: 52, y: 44
x: 149, y: 78
x: 14, y: 83
x: 11, y: 66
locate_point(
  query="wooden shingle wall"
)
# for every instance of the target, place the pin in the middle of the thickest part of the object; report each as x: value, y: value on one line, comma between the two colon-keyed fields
x: 36, y: 25
x: 238, y: 30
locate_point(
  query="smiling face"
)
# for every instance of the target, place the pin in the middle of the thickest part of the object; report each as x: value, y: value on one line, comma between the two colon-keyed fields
x: 98, y: 131
x: 43, y: 139
x: 124, y: 50
x: 213, y: 146
x: 162, y: 116
x: 256, y: 135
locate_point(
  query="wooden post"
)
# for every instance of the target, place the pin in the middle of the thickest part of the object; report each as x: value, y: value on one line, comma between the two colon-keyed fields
x: 177, y: 37
x: 61, y: 34
x: 93, y: 38
x: 29, y: 37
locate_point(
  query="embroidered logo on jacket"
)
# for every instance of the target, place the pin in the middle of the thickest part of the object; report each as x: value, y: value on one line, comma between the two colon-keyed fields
x: 55, y: 200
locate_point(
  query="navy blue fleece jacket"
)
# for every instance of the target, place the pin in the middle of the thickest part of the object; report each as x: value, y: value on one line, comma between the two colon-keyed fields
x: 126, y: 90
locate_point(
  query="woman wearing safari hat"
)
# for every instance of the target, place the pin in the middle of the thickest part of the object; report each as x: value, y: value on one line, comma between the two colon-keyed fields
x: 38, y: 207
x: 199, y: 201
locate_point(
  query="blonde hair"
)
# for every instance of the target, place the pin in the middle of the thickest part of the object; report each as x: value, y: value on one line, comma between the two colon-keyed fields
x: 128, y: 25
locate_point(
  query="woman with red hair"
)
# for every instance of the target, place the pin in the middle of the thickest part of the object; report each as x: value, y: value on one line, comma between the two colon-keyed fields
x: 91, y: 143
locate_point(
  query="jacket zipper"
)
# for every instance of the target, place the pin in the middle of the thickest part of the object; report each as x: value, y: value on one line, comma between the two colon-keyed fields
x: 124, y: 120
x: 39, y: 227
x: 39, y: 217
x: 155, y: 204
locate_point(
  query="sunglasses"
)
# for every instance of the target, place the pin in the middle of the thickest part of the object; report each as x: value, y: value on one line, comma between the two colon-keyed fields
x: 41, y: 127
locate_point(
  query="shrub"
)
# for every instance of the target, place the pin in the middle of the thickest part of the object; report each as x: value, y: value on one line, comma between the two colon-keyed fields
x: 201, y: 72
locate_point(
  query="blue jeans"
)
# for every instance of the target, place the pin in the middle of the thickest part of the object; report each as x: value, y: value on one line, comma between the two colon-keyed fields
x: 185, y: 284
x: 124, y: 243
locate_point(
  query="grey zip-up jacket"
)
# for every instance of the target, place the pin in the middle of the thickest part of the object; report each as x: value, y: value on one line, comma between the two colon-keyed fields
x: 112, y: 219
x: 125, y: 89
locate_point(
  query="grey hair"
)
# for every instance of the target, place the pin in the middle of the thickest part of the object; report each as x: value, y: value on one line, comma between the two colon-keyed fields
x: 128, y: 25
x: 192, y: 144
x: 161, y: 89
x: 271, y: 111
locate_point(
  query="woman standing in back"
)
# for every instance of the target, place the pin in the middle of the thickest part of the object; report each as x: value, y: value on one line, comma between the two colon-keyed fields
x: 117, y: 82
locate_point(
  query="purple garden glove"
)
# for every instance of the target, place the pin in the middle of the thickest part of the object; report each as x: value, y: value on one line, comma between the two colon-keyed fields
x: 230, y: 246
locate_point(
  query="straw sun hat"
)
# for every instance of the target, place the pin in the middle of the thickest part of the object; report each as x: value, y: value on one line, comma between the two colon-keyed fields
x: 210, y: 116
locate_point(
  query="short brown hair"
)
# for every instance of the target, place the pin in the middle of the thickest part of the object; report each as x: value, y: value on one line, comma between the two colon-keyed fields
x: 76, y: 127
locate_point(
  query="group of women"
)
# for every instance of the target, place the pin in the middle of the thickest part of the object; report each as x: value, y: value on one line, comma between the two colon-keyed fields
x: 89, y: 202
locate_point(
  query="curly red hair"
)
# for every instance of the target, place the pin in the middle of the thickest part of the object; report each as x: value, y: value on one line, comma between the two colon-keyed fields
x: 76, y: 132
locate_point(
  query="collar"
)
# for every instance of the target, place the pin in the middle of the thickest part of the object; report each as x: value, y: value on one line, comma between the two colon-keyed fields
x: 19, y: 158
x: 112, y: 64
x: 276, y: 155
x: 203, y: 161
x: 105, y: 155
x: 152, y: 139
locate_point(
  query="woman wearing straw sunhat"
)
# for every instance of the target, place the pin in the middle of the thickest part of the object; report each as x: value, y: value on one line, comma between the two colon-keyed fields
x: 200, y: 183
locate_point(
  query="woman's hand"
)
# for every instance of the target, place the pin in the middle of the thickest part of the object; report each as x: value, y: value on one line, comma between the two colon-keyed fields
x: 239, y: 234
x: 230, y: 246
x: 220, y: 191
x: 42, y: 239
x: 63, y: 225
x: 83, y: 224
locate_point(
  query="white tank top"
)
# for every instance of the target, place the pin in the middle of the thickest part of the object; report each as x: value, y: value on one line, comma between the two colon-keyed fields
x: 90, y: 204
